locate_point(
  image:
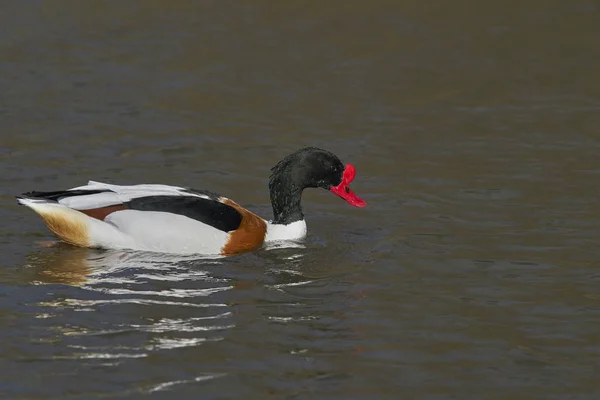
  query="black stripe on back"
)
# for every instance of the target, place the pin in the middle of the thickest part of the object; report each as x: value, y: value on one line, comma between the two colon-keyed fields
x: 210, y: 212
x: 62, y: 193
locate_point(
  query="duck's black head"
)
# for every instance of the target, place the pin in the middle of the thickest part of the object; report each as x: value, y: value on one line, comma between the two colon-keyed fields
x: 308, y: 167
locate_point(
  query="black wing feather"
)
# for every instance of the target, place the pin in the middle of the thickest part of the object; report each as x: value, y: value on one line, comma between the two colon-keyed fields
x: 57, y: 195
x: 210, y: 212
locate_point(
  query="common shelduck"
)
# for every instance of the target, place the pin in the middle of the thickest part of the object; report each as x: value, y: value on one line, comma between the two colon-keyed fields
x: 172, y: 219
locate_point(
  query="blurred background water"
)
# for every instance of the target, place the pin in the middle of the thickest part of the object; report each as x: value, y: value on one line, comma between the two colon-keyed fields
x: 471, y: 274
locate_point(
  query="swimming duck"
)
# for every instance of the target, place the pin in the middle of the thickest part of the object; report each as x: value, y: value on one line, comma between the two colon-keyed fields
x: 172, y: 219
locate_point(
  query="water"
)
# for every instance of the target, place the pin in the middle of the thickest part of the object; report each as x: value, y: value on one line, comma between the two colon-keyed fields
x: 472, y: 273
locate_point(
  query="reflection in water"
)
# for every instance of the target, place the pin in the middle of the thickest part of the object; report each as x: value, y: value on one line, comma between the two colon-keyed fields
x: 66, y: 264
x: 164, y: 302
x: 113, y: 308
x: 60, y: 264
x: 80, y: 266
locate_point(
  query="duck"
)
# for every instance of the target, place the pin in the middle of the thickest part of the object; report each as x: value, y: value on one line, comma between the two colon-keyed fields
x: 173, y: 219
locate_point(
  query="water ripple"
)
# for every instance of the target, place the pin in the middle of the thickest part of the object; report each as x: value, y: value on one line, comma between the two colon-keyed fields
x: 180, y: 293
x: 86, y: 303
x: 185, y: 313
x: 166, y: 385
x: 183, y: 325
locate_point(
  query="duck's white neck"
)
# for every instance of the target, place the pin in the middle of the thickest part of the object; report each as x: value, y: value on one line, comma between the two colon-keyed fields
x: 294, y: 231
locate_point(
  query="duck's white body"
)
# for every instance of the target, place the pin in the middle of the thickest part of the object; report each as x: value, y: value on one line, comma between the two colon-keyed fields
x: 103, y: 219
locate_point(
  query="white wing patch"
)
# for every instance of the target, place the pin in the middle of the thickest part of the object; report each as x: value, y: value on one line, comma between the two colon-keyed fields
x: 90, y: 201
x: 122, y: 194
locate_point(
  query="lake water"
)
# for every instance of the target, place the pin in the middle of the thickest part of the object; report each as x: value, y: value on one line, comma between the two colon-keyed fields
x: 473, y: 272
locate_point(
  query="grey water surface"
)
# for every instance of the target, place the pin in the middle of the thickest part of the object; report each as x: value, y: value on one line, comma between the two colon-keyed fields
x: 473, y: 273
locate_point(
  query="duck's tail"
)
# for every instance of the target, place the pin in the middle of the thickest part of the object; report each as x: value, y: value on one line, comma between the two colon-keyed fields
x: 70, y: 225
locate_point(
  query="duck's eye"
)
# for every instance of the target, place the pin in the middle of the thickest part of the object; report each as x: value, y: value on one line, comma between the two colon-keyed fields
x: 347, y: 189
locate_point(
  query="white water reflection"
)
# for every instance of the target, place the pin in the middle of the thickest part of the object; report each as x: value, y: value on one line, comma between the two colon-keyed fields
x: 167, y: 343
x: 184, y: 325
x: 89, y: 267
x: 166, y: 385
x: 117, y: 309
x: 129, y: 304
x: 85, y: 303
x: 179, y: 293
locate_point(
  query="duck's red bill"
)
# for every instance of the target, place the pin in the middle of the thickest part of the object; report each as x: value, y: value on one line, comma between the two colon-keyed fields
x: 344, y: 191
